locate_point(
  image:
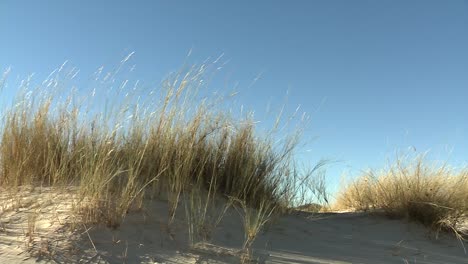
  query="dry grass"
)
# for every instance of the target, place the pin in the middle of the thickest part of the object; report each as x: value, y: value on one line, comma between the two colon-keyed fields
x: 434, y: 195
x: 172, y: 144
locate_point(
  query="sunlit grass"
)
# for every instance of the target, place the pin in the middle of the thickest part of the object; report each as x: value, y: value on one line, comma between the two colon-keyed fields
x: 171, y: 145
x: 431, y: 194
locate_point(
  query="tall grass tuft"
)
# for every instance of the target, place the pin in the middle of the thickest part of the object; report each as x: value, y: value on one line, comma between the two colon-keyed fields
x: 163, y: 142
x: 431, y: 194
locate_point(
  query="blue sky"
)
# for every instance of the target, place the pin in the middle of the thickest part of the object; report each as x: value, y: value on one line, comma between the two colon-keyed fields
x: 375, y: 76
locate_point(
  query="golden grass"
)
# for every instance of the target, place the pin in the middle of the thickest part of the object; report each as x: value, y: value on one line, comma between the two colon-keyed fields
x: 434, y: 195
x: 172, y: 144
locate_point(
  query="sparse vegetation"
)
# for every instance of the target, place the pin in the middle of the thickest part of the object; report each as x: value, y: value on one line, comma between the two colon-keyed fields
x: 434, y: 195
x: 189, y: 151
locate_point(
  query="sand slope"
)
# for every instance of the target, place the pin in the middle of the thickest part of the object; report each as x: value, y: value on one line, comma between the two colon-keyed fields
x: 145, y: 237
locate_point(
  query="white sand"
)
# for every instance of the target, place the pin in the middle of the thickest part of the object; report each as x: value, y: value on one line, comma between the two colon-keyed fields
x: 144, y: 237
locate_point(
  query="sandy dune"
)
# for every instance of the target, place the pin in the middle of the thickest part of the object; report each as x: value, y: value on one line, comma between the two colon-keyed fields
x: 144, y: 237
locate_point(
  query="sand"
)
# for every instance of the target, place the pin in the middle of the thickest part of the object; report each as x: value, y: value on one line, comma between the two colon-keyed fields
x: 38, y: 226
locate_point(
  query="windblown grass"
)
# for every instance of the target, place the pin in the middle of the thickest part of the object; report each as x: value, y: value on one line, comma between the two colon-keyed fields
x: 172, y: 144
x: 434, y: 195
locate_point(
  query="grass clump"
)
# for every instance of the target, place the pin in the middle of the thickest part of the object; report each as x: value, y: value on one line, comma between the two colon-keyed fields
x: 433, y: 195
x: 172, y: 144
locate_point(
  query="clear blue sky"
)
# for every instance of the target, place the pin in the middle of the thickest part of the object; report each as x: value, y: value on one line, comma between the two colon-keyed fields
x: 376, y: 76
